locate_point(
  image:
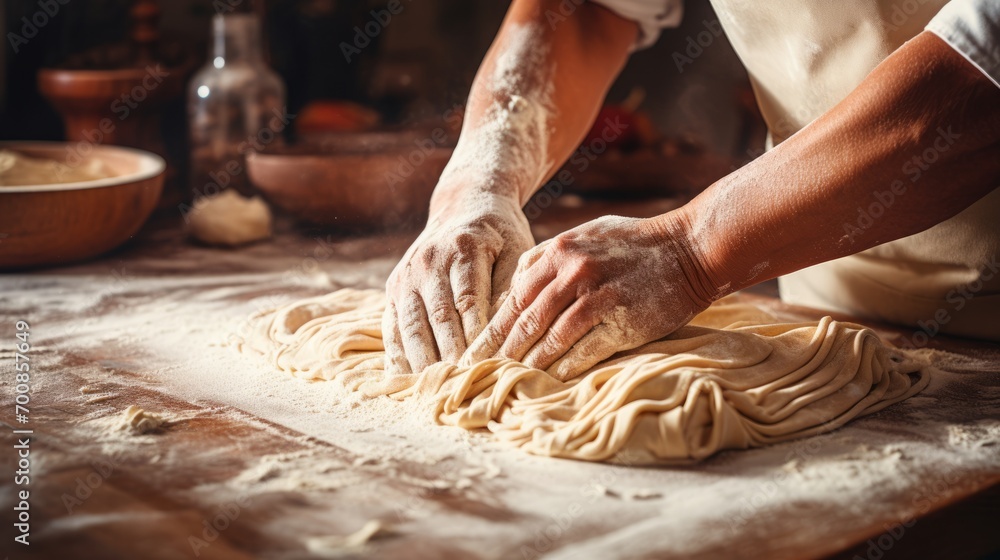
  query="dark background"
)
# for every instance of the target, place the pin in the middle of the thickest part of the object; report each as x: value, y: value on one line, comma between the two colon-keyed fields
x: 436, y: 43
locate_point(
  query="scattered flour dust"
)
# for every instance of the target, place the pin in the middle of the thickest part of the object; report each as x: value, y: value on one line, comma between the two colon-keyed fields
x: 167, y: 330
x: 123, y: 426
x: 338, y: 546
x: 304, y: 470
x: 509, y: 143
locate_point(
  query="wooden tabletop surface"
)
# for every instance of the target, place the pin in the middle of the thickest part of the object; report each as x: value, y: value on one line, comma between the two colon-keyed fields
x: 157, y: 495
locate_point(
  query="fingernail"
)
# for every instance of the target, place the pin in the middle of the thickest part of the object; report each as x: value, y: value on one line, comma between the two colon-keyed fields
x: 561, y: 371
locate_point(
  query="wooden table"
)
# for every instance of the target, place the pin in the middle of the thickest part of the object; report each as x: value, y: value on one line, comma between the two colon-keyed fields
x: 915, y: 480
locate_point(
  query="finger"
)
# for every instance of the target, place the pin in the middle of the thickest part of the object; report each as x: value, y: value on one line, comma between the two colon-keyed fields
x: 597, y: 345
x: 531, y: 325
x: 531, y: 256
x: 415, y: 329
x: 395, y: 359
x: 522, y: 293
x: 445, y: 322
x: 470, y: 284
x: 566, y: 331
x: 510, y: 264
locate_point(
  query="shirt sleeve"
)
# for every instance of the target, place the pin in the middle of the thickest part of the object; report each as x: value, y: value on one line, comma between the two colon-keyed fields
x: 651, y: 15
x: 972, y: 27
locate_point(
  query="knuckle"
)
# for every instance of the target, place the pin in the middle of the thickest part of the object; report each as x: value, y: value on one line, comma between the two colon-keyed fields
x: 427, y: 256
x: 397, y: 364
x: 393, y: 349
x: 524, y: 261
x: 528, y: 323
x: 581, y: 320
x: 555, y: 341
x: 561, y: 244
x: 491, y: 340
x: 441, y: 314
x: 410, y: 325
x: 466, y: 241
x: 529, y: 257
x: 515, y: 301
x: 581, y: 271
x: 466, y: 302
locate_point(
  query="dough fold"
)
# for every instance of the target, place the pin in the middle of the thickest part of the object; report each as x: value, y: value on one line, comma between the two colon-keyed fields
x: 733, y: 378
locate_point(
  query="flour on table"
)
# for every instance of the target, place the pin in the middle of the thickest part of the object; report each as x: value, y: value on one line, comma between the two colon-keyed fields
x: 337, y: 546
x: 732, y: 379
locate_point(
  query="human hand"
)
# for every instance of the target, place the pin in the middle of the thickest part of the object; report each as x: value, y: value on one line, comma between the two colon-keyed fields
x: 608, y: 285
x: 440, y: 293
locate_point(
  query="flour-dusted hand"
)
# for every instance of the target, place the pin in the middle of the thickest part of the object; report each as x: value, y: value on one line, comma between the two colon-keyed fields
x: 534, y: 98
x: 609, y: 285
x: 440, y: 293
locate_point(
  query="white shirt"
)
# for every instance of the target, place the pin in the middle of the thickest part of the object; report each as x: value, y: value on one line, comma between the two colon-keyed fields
x: 971, y: 27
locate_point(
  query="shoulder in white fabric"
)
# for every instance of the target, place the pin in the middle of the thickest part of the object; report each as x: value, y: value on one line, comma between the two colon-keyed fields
x: 972, y: 27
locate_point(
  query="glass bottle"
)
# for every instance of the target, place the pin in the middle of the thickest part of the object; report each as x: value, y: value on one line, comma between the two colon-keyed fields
x: 236, y: 104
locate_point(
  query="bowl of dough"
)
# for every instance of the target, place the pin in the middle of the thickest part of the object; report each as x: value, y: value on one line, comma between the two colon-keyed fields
x: 62, y: 203
x: 372, y: 180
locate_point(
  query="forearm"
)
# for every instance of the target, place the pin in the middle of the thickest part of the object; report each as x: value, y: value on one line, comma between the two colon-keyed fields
x: 916, y: 143
x: 533, y: 99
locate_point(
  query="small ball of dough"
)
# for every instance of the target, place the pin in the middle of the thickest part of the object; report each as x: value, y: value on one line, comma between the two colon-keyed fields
x: 229, y: 219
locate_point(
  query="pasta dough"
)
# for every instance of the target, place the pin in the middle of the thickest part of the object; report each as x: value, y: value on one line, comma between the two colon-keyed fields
x: 17, y: 169
x: 229, y: 219
x: 732, y: 379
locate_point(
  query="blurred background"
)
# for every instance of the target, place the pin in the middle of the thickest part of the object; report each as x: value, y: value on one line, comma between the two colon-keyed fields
x: 341, y: 114
x: 420, y: 64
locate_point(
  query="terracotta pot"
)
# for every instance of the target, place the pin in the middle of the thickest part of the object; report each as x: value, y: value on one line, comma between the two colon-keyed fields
x: 128, y: 100
x: 366, y: 181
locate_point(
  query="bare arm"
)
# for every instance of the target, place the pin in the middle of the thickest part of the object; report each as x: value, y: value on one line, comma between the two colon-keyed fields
x: 561, y: 72
x: 615, y: 283
x: 924, y: 126
x: 533, y: 99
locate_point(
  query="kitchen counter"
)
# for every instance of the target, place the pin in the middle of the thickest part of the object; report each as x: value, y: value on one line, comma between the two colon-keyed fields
x: 254, y: 463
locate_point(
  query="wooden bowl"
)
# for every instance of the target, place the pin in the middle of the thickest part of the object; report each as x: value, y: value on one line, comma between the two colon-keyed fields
x: 61, y: 223
x: 363, y: 181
